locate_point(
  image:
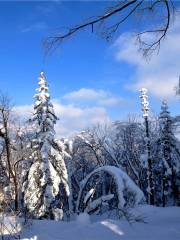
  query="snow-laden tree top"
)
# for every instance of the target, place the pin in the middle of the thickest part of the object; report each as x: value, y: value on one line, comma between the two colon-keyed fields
x: 43, y: 108
x: 165, y: 120
x: 144, y: 101
x: 164, y: 110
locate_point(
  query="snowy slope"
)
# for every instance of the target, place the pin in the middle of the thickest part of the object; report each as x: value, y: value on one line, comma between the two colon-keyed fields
x: 162, y: 224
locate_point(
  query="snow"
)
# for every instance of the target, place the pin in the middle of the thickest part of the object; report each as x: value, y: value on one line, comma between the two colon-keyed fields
x: 161, y: 224
x: 144, y: 102
x: 58, y: 214
x: 94, y: 204
x: 83, y: 219
x: 88, y: 195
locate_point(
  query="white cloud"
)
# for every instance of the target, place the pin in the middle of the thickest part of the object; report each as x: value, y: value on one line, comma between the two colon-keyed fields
x: 111, y: 101
x: 85, y: 94
x: 160, y: 73
x: 71, y: 119
x: 38, y: 26
x: 101, y: 97
x: 24, y: 111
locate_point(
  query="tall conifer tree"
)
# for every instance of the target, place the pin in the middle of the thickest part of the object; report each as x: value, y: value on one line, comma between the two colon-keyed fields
x: 167, y: 161
x: 46, y: 188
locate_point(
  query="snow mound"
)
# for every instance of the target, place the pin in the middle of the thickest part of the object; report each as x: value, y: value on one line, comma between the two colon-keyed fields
x: 83, y: 218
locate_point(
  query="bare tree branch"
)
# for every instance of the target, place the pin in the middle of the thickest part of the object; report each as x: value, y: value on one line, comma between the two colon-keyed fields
x: 148, y: 48
x: 123, y: 10
x: 51, y: 43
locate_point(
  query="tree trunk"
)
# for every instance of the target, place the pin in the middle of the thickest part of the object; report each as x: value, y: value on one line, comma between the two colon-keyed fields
x: 11, y: 173
x: 150, y: 173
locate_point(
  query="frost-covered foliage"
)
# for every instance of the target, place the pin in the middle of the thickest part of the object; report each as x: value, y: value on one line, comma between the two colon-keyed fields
x: 167, y: 162
x: 46, y: 187
x: 102, y: 168
x: 123, y: 144
x: 122, y: 190
x: 120, y: 144
x: 128, y: 143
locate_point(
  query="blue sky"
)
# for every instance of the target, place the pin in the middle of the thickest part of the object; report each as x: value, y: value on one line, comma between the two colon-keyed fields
x: 86, y: 75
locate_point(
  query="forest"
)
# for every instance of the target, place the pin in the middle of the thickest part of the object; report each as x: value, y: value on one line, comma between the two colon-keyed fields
x: 106, y: 168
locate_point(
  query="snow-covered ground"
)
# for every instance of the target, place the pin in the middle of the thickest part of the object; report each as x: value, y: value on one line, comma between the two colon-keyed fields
x: 161, y: 224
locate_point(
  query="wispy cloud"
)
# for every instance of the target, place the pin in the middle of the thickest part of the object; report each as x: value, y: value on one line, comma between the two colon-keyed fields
x: 100, y: 97
x: 85, y: 94
x: 38, y: 26
x: 160, y: 74
x: 47, y: 8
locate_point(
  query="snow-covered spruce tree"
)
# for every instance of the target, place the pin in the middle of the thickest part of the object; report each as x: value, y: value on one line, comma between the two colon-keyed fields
x: 167, y: 162
x: 46, y: 188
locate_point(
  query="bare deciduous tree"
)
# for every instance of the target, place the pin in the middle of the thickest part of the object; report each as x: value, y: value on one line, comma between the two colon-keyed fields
x: 11, y: 161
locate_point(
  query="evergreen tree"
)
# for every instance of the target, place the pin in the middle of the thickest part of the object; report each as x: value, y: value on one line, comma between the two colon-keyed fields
x: 46, y: 189
x: 167, y: 161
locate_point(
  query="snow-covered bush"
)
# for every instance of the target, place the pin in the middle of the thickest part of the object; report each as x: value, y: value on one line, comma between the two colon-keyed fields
x: 57, y: 213
x: 122, y: 190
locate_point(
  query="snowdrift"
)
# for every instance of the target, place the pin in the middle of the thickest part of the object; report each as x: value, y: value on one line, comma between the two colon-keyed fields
x: 161, y: 224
